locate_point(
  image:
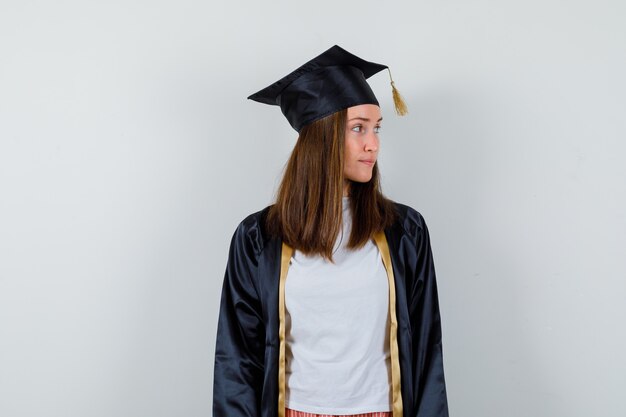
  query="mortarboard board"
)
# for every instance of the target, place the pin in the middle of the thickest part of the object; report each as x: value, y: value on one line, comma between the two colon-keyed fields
x: 332, y: 81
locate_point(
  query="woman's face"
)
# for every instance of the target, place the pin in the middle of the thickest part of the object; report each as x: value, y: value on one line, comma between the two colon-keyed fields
x: 361, y: 142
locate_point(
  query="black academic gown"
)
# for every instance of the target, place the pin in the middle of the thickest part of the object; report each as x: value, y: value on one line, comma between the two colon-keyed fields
x: 246, y: 382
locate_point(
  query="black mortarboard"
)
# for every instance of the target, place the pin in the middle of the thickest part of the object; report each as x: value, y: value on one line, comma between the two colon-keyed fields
x: 330, y: 82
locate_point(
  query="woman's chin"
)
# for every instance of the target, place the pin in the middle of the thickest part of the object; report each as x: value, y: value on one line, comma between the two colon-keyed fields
x: 361, y: 179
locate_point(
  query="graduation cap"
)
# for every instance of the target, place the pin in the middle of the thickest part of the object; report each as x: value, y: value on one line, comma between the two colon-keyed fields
x: 332, y: 81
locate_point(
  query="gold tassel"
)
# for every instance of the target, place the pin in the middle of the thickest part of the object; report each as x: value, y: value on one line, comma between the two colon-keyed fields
x: 398, y: 101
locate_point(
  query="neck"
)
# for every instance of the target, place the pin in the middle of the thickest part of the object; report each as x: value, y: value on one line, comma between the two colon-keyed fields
x: 346, y: 188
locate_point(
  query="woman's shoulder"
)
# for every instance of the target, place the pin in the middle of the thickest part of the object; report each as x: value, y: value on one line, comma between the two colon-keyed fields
x: 251, y: 231
x: 255, y: 220
x: 409, y: 219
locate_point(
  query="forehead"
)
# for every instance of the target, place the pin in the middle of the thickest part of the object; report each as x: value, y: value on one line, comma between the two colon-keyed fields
x: 364, y: 111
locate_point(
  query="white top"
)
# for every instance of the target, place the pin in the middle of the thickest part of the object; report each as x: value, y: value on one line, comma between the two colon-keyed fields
x: 337, y: 330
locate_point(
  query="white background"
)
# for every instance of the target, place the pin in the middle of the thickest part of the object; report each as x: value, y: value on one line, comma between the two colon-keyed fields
x: 129, y: 153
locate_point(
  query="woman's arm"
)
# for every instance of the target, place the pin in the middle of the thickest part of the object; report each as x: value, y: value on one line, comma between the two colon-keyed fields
x: 426, y: 330
x: 240, y: 343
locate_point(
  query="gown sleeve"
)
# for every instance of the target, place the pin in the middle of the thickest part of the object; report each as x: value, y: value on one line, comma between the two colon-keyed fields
x: 240, y: 342
x: 426, y: 331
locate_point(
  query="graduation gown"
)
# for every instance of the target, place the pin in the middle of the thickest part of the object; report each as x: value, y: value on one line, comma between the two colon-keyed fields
x: 249, y: 372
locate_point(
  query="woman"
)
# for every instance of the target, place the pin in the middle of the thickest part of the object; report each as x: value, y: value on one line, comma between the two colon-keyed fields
x: 329, y: 303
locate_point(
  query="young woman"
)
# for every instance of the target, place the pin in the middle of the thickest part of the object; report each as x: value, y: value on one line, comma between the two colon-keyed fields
x: 329, y: 303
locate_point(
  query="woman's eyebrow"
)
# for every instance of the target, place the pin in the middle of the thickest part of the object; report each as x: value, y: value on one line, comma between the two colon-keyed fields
x: 365, y: 119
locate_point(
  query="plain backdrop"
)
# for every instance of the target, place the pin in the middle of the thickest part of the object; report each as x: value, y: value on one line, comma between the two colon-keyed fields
x: 129, y: 154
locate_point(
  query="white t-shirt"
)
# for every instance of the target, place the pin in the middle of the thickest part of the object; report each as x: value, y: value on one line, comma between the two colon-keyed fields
x: 337, y: 330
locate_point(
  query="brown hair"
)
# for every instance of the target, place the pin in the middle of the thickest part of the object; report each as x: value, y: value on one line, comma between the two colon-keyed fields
x: 307, y: 212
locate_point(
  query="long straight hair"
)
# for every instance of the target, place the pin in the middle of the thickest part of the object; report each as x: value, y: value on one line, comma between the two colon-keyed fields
x: 307, y: 214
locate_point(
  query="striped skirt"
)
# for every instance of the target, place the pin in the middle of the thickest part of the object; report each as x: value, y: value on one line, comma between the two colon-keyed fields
x: 293, y: 413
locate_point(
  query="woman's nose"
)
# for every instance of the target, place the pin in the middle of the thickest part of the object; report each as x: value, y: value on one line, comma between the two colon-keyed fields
x: 371, y: 142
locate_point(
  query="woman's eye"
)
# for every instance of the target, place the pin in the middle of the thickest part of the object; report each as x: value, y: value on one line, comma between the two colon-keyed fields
x: 357, y: 128
x: 376, y: 129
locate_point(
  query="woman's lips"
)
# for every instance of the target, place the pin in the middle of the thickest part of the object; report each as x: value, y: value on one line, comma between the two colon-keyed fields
x: 368, y: 162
